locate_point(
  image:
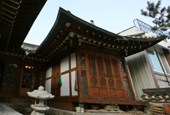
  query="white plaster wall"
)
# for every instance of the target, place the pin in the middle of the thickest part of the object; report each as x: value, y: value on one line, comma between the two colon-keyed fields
x: 73, y: 77
x: 65, y: 90
x: 48, y: 85
x: 140, y: 72
x: 49, y: 72
x: 73, y: 60
x: 64, y: 64
x: 130, y: 31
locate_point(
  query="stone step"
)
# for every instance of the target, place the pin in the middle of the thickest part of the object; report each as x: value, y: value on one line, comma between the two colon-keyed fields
x: 24, y: 109
x: 5, y: 110
x: 22, y: 105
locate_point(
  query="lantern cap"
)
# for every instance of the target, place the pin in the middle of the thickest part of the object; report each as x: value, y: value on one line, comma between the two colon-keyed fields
x: 40, y: 94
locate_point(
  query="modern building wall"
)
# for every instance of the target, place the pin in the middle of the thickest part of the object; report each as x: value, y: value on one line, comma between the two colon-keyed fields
x: 130, y: 31
x: 140, y: 73
x: 161, y: 79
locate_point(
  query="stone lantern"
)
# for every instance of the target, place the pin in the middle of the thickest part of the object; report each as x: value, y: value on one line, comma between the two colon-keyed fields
x: 41, y: 96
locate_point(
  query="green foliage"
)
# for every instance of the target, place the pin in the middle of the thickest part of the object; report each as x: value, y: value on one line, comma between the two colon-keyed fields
x: 161, y: 17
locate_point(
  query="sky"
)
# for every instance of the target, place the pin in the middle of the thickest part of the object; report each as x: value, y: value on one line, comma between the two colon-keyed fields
x: 112, y: 15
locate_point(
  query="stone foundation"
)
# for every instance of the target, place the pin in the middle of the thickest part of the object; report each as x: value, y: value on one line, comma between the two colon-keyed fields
x: 54, y: 111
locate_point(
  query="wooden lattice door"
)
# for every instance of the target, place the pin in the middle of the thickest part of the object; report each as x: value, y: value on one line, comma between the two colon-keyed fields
x: 26, y: 83
x: 94, y: 85
x: 106, y: 77
x: 102, y: 77
x: 118, y: 78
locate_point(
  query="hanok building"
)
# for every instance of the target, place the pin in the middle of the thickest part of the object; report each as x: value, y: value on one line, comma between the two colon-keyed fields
x: 89, y: 60
x: 16, y: 19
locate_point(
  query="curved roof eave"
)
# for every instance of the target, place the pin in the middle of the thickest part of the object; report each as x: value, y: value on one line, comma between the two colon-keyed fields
x: 64, y: 17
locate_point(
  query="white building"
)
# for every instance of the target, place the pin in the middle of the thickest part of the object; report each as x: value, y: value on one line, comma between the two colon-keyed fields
x: 149, y: 68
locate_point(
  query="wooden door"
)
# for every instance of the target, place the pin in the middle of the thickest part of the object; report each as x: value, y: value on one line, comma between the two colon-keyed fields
x: 118, y: 78
x: 110, y: 77
x: 93, y: 78
x: 32, y: 78
x: 102, y: 77
x: 26, y: 80
x: 106, y: 79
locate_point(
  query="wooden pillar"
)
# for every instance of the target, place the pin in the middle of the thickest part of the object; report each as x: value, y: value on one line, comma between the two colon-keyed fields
x: 130, y: 79
x: 18, y: 79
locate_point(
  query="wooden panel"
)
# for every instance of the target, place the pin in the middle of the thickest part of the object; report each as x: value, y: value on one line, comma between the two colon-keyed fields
x: 7, y: 91
x: 103, y: 82
x: 120, y: 93
x: 103, y: 91
x: 108, y: 67
x: 101, y: 100
x: 103, y: 86
x: 115, y: 68
x: 23, y: 91
x: 95, y: 90
x: 62, y: 105
x: 92, y: 65
x: 112, y: 92
x: 104, y: 76
x: 100, y: 66
x: 55, y: 77
x: 112, y: 87
x: 94, y: 81
x: 94, y: 85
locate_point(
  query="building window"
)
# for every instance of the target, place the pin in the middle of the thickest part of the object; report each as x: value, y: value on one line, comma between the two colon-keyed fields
x: 10, y: 75
x: 154, y: 60
x: 37, y: 79
x: 82, y: 60
x: 84, y: 82
x: 27, y: 77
